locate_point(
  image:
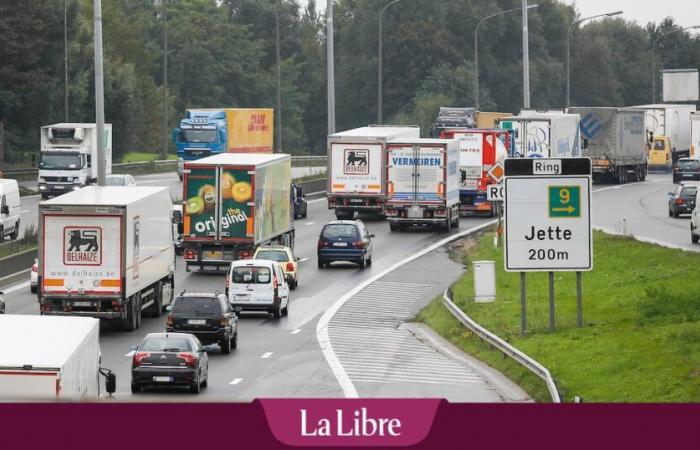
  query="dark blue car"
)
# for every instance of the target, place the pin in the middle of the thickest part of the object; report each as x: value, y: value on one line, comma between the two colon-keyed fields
x: 345, y: 240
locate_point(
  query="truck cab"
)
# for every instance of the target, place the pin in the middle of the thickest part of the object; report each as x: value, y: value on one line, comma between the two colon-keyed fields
x: 201, y: 133
x: 660, y: 154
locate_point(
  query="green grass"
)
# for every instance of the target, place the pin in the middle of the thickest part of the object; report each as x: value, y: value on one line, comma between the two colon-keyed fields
x: 133, y: 157
x: 641, y: 339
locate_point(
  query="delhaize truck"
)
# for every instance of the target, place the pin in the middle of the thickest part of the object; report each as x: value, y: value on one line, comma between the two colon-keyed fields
x: 234, y: 203
x: 422, y: 183
x: 209, y: 131
x: 668, y: 129
x: 68, y: 157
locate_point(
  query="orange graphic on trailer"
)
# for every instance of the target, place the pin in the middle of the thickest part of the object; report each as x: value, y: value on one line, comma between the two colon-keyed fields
x: 250, y: 130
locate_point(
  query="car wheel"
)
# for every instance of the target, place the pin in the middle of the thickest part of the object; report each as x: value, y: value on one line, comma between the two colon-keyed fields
x: 670, y: 213
x: 135, y: 388
x: 285, y: 310
x: 225, y: 346
x: 321, y: 264
x: 196, y: 388
x: 363, y: 263
x: 676, y: 214
x: 234, y: 341
x: 205, y: 383
x: 369, y: 261
x: 277, y: 312
x: 33, y: 289
x: 393, y: 227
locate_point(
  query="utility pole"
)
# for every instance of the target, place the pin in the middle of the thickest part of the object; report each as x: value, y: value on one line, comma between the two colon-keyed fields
x: 65, y: 61
x: 279, y: 78
x: 164, y: 150
x: 526, y: 59
x: 330, y: 66
x: 99, y: 94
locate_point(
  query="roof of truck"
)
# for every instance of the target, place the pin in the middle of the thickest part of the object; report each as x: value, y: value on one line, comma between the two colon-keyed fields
x: 41, y: 341
x: 72, y: 125
x: 379, y: 131
x: 106, y: 195
x: 419, y: 141
x: 239, y: 159
x: 663, y: 106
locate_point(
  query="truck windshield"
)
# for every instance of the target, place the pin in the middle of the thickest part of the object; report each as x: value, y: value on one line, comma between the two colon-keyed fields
x: 59, y: 161
x: 201, y: 136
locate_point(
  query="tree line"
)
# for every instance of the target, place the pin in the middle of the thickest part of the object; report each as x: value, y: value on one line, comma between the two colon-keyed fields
x: 222, y: 53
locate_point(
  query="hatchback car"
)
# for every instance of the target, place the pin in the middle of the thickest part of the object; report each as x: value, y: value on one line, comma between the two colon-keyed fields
x: 682, y: 200
x: 345, y: 240
x: 258, y: 285
x: 34, y: 276
x: 169, y: 359
x: 686, y: 169
x: 120, y: 180
x: 206, y: 315
x: 284, y: 256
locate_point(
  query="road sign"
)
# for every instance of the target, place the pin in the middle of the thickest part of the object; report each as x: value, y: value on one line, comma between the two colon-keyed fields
x: 496, y: 172
x: 547, y: 212
x: 496, y: 192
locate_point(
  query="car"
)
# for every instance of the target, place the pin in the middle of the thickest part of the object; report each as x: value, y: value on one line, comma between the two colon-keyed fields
x: 686, y: 169
x: 258, y: 285
x: 169, y: 359
x: 2, y: 302
x: 695, y: 221
x: 120, y: 180
x: 33, y: 276
x: 682, y: 200
x: 284, y: 256
x: 206, y: 315
x: 300, y: 204
x: 345, y: 240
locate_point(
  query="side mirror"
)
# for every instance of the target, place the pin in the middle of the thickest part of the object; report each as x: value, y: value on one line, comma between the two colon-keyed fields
x: 111, y: 383
x: 295, y: 259
x: 5, y: 210
x: 371, y: 235
x: 169, y: 308
x: 2, y: 293
x: 585, y: 143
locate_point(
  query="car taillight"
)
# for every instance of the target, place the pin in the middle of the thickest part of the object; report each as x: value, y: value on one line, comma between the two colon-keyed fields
x: 358, y: 244
x: 223, y: 322
x: 35, y: 268
x: 322, y: 243
x: 680, y: 201
x: 169, y: 320
x: 190, y: 254
x: 140, y: 356
x: 290, y: 267
x: 246, y: 254
x: 275, y: 283
x: 189, y: 359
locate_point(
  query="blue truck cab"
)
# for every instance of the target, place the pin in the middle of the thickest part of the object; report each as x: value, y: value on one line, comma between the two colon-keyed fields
x: 201, y: 133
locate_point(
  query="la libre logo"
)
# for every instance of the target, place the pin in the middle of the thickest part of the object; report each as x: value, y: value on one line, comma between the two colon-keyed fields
x: 357, y: 423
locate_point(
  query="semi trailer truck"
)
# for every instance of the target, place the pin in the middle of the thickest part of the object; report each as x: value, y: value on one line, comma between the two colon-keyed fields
x: 668, y: 128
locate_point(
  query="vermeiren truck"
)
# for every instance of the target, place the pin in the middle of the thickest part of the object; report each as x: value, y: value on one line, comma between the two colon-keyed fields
x: 49, y: 358
x: 544, y: 135
x: 210, y: 131
x: 233, y: 203
x: 357, y: 168
x: 614, y: 139
x: 669, y: 128
x: 422, y: 183
x: 68, y: 157
x: 107, y: 252
x: 695, y: 135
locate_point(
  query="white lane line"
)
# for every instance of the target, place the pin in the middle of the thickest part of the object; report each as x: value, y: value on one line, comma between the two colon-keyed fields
x: 25, y: 211
x: 323, y: 199
x: 130, y: 354
x: 16, y: 287
x: 266, y: 355
x: 309, y: 223
x: 236, y: 381
x: 322, y: 327
x: 297, y: 331
x: 304, y: 259
x: 616, y: 187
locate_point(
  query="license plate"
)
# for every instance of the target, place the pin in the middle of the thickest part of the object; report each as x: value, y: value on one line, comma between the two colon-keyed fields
x: 471, y: 185
x: 59, y: 187
x: 197, y: 322
x: 82, y: 303
x: 356, y: 200
x: 340, y: 244
x: 213, y: 255
x: 415, y: 212
x: 163, y: 379
x: 688, y: 175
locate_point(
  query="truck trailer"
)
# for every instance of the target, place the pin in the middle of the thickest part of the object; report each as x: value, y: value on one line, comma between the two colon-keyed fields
x: 234, y: 203
x: 668, y: 128
x: 357, y: 168
x: 422, y: 183
x: 107, y: 252
x: 614, y: 139
x: 68, y: 157
x: 545, y: 135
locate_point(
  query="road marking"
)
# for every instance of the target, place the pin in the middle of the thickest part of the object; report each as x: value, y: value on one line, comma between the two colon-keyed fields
x: 297, y: 331
x: 304, y: 259
x: 25, y: 211
x: 266, y: 355
x: 317, y: 200
x: 309, y: 223
x: 236, y: 381
x: 16, y: 287
x: 616, y: 187
x: 130, y: 354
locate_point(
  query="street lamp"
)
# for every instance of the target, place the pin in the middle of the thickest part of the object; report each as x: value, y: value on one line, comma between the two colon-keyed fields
x: 330, y: 66
x: 164, y: 149
x: 476, y: 49
x: 379, y: 66
x: 568, y: 50
x: 99, y: 93
x: 653, y: 57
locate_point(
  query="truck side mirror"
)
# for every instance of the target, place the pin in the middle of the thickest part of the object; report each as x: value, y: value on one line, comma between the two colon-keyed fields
x: 5, y: 209
x: 651, y: 137
x: 111, y: 383
x: 180, y: 228
x: 89, y: 161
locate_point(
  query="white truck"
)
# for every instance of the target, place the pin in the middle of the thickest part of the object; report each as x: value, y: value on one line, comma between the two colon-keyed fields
x: 107, y: 252
x: 49, y: 358
x: 671, y: 121
x: 545, y: 135
x: 423, y: 180
x: 357, y: 168
x: 695, y: 135
x: 68, y: 157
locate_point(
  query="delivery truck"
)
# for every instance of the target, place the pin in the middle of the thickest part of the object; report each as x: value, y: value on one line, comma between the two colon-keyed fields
x: 107, y: 252
x: 211, y: 131
x: 357, y: 168
x: 614, y: 139
x: 50, y: 358
x: 668, y: 128
x: 544, y: 135
x: 234, y: 203
x: 422, y: 183
x: 695, y: 135
x: 68, y: 157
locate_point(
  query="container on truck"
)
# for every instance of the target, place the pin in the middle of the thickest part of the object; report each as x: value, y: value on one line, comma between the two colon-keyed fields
x: 212, y: 131
x: 49, y: 358
x: 107, y: 252
x: 234, y: 203
x: 544, y: 135
x: 68, y: 157
x: 486, y: 119
x: 695, y: 135
x: 453, y: 117
x: 422, y: 183
x: 668, y: 126
x: 357, y: 168
x: 614, y: 139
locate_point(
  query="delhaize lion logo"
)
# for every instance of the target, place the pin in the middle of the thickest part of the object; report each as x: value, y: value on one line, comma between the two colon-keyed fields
x: 356, y: 162
x: 82, y: 246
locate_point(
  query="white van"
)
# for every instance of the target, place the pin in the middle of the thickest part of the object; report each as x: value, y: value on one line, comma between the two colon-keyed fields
x: 695, y: 220
x: 9, y: 209
x: 257, y: 285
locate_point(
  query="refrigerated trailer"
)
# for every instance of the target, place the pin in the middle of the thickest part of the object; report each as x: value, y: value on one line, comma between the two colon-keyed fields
x: 107, y: 252
x: 670, y: 126
x: 544, y: 135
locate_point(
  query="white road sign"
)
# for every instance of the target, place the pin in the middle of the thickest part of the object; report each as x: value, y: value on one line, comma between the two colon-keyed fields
x: 496, y: 192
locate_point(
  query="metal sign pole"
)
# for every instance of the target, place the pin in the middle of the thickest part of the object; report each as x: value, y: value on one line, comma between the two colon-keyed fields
x: 551, y: 301
x: 523, y: 306
x: 579, y: 301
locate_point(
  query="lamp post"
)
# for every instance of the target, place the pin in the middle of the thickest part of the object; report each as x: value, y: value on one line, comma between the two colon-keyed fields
x: 99, y: 93
x: 330, y: 65
x: 568, y: 49
x: 526, y: 59
x: 164, y: 149
x: 65, y: 61
x: 379, y: 65
x: 653, y: 57
x: 476, y: 49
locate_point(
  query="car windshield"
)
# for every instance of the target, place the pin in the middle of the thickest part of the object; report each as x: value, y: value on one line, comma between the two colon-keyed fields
x: 166, y: 344
x: 59, y: 161
x: 659, y: 145
x: 340, y: 231
x: 198, y: 306
x: 251, y: 274
x: 201, y: 136
x: 689, y: 191
x: 273, y: 255
x: 689, y: 164
x: 115, y: 181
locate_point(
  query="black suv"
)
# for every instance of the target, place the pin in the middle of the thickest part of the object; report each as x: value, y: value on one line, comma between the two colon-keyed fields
x: 682, y: 200
x: 206, y: 315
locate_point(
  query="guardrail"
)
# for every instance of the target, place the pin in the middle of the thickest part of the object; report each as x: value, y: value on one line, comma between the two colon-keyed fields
x: 505, y: 348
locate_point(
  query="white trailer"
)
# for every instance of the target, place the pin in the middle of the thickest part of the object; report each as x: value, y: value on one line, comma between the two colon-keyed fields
x: 49, y: 358
x: 356, y: 168
x: 107, y: 252
x: 68, y: 157
x: 671, y: 121
x: 545, y: 135
x: 423, y: 180
x: 695, y: 135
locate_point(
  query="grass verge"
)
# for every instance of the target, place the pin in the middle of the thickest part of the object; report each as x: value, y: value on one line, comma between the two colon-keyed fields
x: 641, y: 339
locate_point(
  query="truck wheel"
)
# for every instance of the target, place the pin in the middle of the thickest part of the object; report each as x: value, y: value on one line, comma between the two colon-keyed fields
x: 393, y: 226
x: 225, y: 346
x: 129, y: 324
x: 156, y: 309
x: 139, y: 311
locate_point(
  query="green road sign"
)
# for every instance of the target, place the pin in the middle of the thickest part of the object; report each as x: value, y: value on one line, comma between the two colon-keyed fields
x: 564, y: 201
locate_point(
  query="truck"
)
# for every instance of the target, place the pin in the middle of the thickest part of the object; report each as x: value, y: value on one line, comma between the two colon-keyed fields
x: 453, y: 117
x: 487, y: 120
x: 614, y: 139
x: 211, y: 131
x: 357, y: 168
x: 49, y: 358
x: 234, y: 203
x: 544, y: 135
x: 668, y: 129
x: 107, y: 252
x: 68, y: 157
x: 695, y: 135
x: 422, y: 183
